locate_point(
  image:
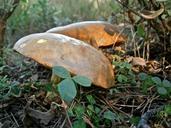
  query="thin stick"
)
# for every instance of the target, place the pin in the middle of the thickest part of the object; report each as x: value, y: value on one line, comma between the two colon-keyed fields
x: 15, y: 120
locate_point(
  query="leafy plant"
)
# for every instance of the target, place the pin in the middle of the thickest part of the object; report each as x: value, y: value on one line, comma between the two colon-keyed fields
x: 163, y: 87
x: 40, y: 15
x: 109, y: 115
x: 8, y: 89
x: 124, y: 72
x: 146, y: 81
x: 134, y: 120
x: 67, y: 87
x: 140, y: 31
x: 92, y: 112
x: 79, y: 124
x: 81, y: 111
x: 167, y: 110
x: 30, y: 17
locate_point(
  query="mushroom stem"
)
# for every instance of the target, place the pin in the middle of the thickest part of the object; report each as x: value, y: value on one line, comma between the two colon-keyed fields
x: 52, y: 95
x: 55, y: 79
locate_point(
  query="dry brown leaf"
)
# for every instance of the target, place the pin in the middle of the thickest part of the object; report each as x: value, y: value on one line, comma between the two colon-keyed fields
x: 44, y: 117
x: 137, y: 61
x: 119, y: 49
x: 138, y: 64
x: 151, y: 14
x: 153, y: 66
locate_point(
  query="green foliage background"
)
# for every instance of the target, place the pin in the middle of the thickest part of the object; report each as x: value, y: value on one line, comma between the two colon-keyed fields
x: 33, y: 16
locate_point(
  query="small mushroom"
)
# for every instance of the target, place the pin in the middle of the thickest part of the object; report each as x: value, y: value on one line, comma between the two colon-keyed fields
x: 96, y: 33
x: 79, y: 58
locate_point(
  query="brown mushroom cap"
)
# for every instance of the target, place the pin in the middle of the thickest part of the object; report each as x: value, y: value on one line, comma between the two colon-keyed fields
x: 76, y: 56
x: 96, y: 33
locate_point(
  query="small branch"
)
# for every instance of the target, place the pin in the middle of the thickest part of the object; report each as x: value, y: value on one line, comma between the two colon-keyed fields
x: 136, y: 13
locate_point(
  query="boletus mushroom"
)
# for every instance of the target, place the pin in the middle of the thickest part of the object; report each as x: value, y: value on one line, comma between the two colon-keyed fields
x: 96, y: 33
x: 79, y: 58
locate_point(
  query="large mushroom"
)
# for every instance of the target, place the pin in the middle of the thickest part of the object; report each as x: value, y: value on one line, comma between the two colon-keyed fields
x: 79, y: 58
x: 96, y: 33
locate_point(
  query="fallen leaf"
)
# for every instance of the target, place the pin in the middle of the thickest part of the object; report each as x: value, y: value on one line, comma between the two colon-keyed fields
x: 44, y: 117
x: 151, y: 14
x: 137, y: 61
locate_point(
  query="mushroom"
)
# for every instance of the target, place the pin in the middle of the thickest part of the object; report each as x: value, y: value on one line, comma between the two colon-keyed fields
x: 79, y: 58
x: 96, y: 33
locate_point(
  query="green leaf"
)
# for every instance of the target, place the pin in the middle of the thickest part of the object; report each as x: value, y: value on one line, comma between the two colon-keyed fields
x: 109, y: 115
x: 15, y: 91
x: 168, y: 109
x: 122, y: 78
x: 156, y: 80
x: 142, y: 76
x: 140, y: 30
x: 97, y: 110
x: 135, y: 120
x: 127, y: 65
x: 48, y: 87
x: 79, y: 111
x: 61, y: 72
x: 115, y: 63
x: 162, y: 90
x: 70, y: 112
x: 90, y: 99
x: 82, y: 80
x: 90, y: 110
x: 79, y: 124
x: 122, y: 65
x: 67, y: 90
x: 146, y: 84
x: 166, y: 83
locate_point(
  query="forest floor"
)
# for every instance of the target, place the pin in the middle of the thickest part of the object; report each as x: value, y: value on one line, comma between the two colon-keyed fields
x: 23, y: 89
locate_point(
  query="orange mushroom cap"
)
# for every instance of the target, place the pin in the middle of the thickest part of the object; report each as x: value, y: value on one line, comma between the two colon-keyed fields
x: 76, y: 56
x: 96, y: 33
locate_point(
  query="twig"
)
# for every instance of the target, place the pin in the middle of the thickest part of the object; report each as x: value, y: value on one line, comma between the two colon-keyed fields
x: 15, y: 120
x: 124, y: 105
x: 62, y: 125
x: 149, y: 100
x: 67, y: 116
x: 104, y: 101
x: 57, y: 122
x: 136, y: 13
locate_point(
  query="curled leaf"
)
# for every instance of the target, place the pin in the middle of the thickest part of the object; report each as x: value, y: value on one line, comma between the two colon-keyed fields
x: 151, y: 14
